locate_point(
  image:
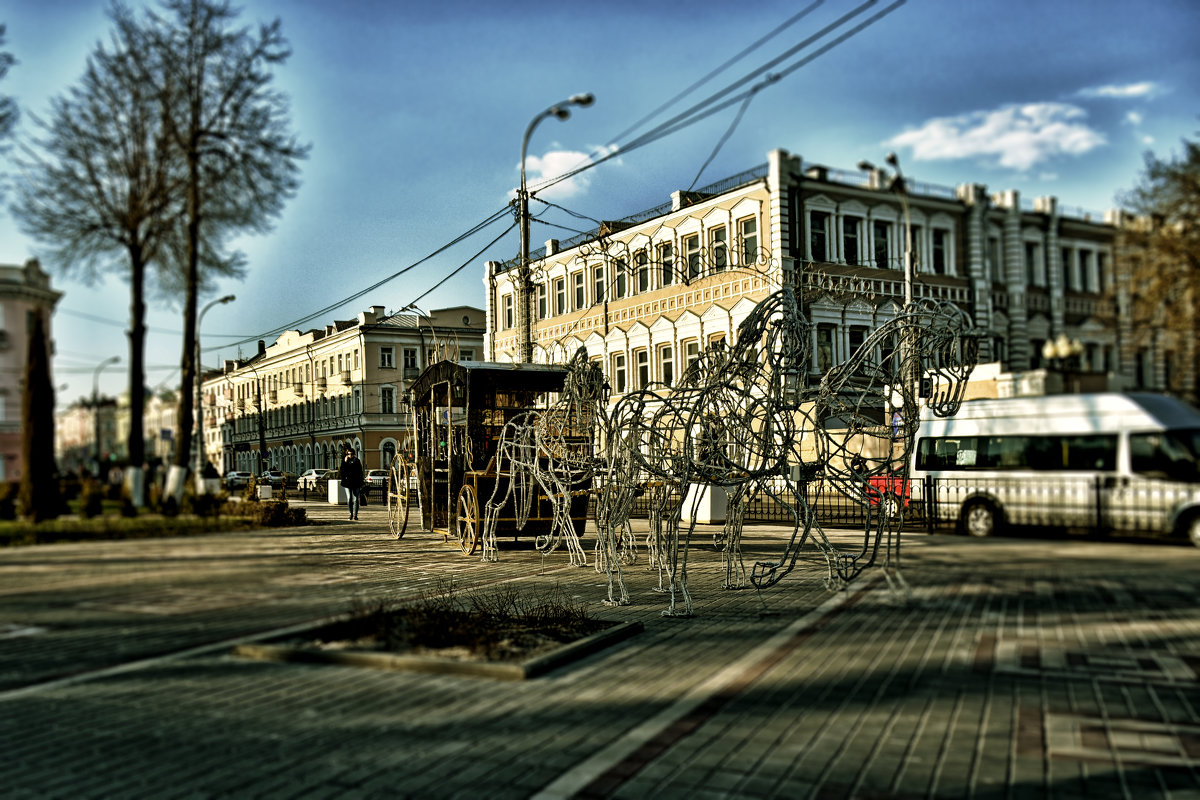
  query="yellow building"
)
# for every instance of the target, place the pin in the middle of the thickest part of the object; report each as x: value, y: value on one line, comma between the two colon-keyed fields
x: 296, y: 403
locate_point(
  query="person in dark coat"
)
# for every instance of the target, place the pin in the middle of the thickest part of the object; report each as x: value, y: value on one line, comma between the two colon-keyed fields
x: 351, y: 476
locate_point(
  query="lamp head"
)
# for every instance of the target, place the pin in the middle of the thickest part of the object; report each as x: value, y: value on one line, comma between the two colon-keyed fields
x: 893, y: 160
x: 866, y: 166
x: 583, y: 100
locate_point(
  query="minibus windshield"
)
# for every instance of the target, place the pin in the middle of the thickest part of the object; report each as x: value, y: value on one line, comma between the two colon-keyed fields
x: 1167, y: 455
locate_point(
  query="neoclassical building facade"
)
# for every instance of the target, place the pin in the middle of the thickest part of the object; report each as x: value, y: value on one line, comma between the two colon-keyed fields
x: 298, y: 402
x: 646, y: 294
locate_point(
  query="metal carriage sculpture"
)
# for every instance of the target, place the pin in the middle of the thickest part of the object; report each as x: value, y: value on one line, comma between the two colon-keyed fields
x: 460, y: 412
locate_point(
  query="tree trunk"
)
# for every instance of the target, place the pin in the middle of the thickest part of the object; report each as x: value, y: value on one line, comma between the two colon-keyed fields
x: 187, y: 363
x: 136, y: 443
x: 39, y: 497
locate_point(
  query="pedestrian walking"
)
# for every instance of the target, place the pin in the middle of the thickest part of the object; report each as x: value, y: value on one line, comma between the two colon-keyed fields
x: 351, y: 476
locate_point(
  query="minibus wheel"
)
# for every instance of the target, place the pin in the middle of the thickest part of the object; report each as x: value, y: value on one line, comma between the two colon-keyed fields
x: 980, y: 518
x: 1192, y: 527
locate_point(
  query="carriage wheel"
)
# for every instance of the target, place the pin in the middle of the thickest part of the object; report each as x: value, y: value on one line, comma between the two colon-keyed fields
x: 467, y: 520
x: 398, y: 497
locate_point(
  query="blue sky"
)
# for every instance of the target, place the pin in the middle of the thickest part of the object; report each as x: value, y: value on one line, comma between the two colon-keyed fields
x: 416, y: 111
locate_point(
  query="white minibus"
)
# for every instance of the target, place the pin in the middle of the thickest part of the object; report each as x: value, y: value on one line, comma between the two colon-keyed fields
x: 1106, y: 461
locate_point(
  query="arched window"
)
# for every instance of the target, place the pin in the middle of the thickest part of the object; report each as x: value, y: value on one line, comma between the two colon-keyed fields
x: 389, y: 453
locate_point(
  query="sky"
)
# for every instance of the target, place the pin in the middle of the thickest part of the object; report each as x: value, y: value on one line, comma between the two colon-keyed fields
x: 415, y: 113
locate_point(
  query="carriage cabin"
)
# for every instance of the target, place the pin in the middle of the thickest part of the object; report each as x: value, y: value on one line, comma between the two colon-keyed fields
x: 460, y: 409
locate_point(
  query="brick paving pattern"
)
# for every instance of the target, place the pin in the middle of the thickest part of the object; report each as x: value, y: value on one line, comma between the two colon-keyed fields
x: 1016, y: 668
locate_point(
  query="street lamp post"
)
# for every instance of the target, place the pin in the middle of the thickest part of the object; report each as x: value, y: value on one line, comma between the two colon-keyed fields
x: 96, y: 403
x: 899, y: 187
x: 525, y: 289
x: 910, y: 373
x: 200, y: 457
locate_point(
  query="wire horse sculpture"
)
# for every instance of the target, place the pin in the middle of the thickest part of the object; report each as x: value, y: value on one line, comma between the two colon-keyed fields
x: 863, y: 456
x: 739, y: 421
x: 550, y: 448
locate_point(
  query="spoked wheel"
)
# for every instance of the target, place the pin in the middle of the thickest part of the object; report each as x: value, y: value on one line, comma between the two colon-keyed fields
x: 467, y: 519
x: 398, y: 497
x: 891, y: 506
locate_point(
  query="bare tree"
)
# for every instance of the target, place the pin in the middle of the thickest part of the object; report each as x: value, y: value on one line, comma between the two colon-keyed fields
x: 1161, y: 251
x: 97, y: 186
x: 238, y: 157
x: 8, y: 106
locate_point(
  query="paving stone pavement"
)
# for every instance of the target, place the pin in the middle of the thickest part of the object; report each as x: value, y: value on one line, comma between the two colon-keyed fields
x: 1015, y: 668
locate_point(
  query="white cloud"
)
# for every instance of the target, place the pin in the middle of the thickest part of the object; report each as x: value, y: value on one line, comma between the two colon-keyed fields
x: 539, y: 169
x: 1147, y: 140
x: 1018, y: 136
x: 1140, y: 89
x: 1134, y: 118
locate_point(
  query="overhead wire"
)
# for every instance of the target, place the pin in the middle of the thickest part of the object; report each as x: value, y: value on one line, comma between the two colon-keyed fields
x: 711, y: 105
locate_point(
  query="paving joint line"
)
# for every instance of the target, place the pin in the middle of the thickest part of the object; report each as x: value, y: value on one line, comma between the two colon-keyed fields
x: 613, y: 758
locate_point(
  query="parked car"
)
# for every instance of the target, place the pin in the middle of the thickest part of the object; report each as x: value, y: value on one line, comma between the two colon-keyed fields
x: 276, y: 478
x: 237, y: 480
x: 377, y: 477
x: 310, y: 479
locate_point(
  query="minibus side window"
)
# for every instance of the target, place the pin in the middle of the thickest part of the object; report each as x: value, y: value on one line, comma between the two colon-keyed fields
x: 1090, y: 452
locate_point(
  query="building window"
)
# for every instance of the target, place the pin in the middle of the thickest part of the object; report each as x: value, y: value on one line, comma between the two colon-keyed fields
x: 824, y: 348
x: 856, y: 336
x: 995, y: 268
x: 543, y: 302
x: 941, y: 261
x: 387, y: 357
x: 598, y: 284
x: 507, y: 302
x: 850, y: 236
x: 691, y: 353
x: 642, y: 359
x: 818, y: 235
x: 622, y: 279
x: 691, y: 254
x: 1031, y: 271
x: 618, y: 372
x: 467, y: 355
x: 666, y: 365
x: 718, y: 248
x: 880, y: 244
x: 748, y: 234
x: 410, y: 358
x: 1067, y: 283
x: 914, y: 244
x: 666, y: 261
x: 716, y: 339
x: 560, y: 296
x: 387, y: 400
x: 577, y: 289
x: 1085, y: 271
x: 642, y: 266
x: 1101, y: 269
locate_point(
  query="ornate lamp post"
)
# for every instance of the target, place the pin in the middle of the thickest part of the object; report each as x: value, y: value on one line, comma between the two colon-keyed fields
x: 200, y: 457
x: 524, y: 288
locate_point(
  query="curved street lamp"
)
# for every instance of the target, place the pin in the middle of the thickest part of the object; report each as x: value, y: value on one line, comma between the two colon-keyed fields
x: 200, y: 457
x: 562, y: 112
